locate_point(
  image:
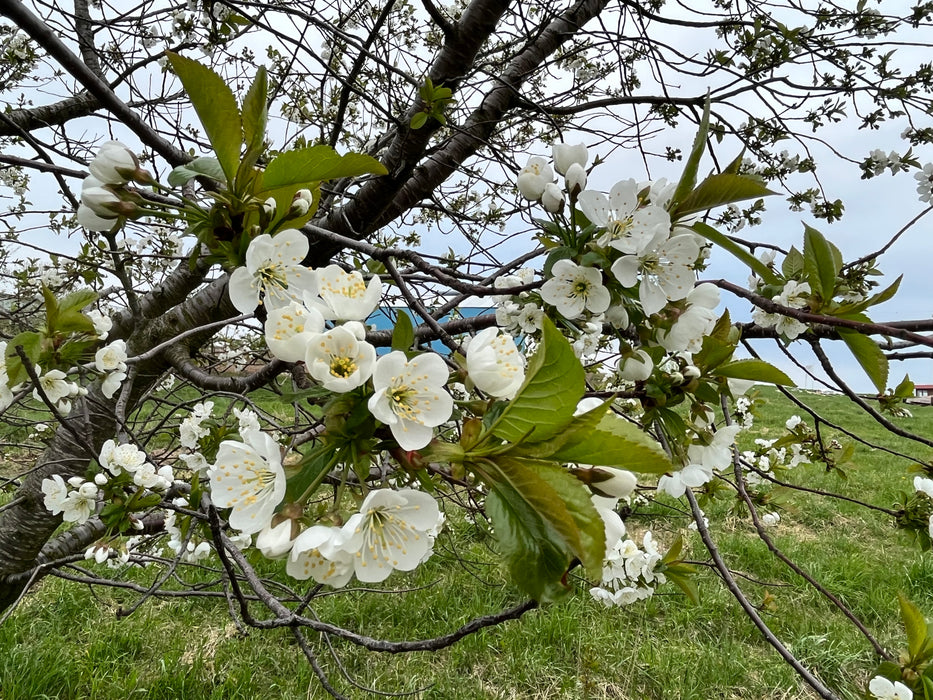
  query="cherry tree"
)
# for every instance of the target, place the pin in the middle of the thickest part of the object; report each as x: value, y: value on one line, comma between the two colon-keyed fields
x: 208, y: 203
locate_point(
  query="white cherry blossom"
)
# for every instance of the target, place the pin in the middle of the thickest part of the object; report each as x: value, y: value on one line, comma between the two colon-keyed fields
x: 534, y: 177
x: 390, y: 532
x: 55, y: 493
x: 345, y: 296
x: 574, y: 289
x: 494, y: 363
x: 114, y: 164
x: 666, y: 271
x: 629, y: 224
x: 273, y: 271
x: 290, y: 328
x: 410, y: 398
x: 248, y: 477
x: 339, y: 359
x: 884, y: 689
x: 316, y: 553
x: 566, y: 155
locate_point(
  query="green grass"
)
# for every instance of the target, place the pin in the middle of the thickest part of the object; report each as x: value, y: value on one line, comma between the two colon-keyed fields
x: 66, y: 642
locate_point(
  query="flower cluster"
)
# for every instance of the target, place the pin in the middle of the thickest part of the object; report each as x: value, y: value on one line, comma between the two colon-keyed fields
x: 795, y: 295
x: 57, y: 389
x: 630, y: 572
x: 76, y: 500
x: 111, y: 361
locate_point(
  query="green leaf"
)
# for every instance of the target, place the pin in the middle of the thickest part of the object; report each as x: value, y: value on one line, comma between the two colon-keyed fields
x: 719, y: 189
x: 311, y: 469
x: 885, y: 294
x: 308, y: 165
x: 869, y: 356
x: 572, y: 514
x: 689, y: 177
x: 77, y: 300
x: 915, y: 625
x: 615, y: 442
x: 820, y: 263
x: 256, y: 111
x: 72, y: 321
x: 216, y: 107
x: 723, y: 241
x: 755, y: 370
x: 32, y: 346
x: 792, y: 266
x: 905, y: 389
x: 554, y: 383
x: 51, y: 309
x: 205, y: 166
x: 403, y: 335
x: 419, y: 120
x: 532, y: 550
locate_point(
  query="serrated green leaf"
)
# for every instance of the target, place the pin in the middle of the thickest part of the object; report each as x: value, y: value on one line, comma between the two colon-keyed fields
x: 713, y: 352
x: 532, y: 549
x: 314, y: 164
x: 754, y: 370
x: 77, y: 300
x: 205, y: 166
x: 403, y: 334
x: 720, y: 189
x: 905, y: 389
x: 691, y: 167
x: 216, y: 107
x: 820, y: 263
x: 869, y: 356
x: 615, y: 442
x: 51, y: 309
x: 554, y: 383
x: 792, y: 267
x: 915, y: 625
x: 724, y: 242
x: 72, y: 321
x: 255, y: 111
x: 32, y: 346
x: 572, y: 514
x: 884, y: 294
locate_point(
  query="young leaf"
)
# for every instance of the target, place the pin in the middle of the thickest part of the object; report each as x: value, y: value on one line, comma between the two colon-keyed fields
x: 915, y: 625
x: 615, y: 442
x: 403, y: 335
x: 719, y: 189
x: 255, y: 111
x: 32, y: 345
x: 216, y: 107
x: 554, y: 383
x: 869, y: 356
x: 206, y: 166
x: 532, y: 549
x: 564, y: 502
x: 723, y: 241
x: 308, y: 165
x: 755, y: 370
x: 793, y: 263
x: 689, y: 177
x: 77, y: 300
x: 820, y: 263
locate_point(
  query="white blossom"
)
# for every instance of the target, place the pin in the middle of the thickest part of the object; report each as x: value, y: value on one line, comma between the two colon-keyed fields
x: 248, y: 478
x: 390, y: 532
x: 495, y: 364
x: 409, y: 396
x: 273, y: 271
x: 629, y: 226
x: 290, y: 328
x: 533, y: 178
x: 884, y: 689
x: 565, y: 156
x: 344, y: 295
x: 574, y: 289
x: 316, y: 553
x: 339, y: 359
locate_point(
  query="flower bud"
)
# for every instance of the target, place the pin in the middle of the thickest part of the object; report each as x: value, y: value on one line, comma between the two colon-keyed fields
x: 618, y: 483
x: 115, y: 164
x: 637, y: 367
x: 552, y: 199
x: 575, y: 179
x: 566, y: 155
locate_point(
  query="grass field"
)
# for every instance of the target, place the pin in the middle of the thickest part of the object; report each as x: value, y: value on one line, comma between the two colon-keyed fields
x: 65, y: 640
